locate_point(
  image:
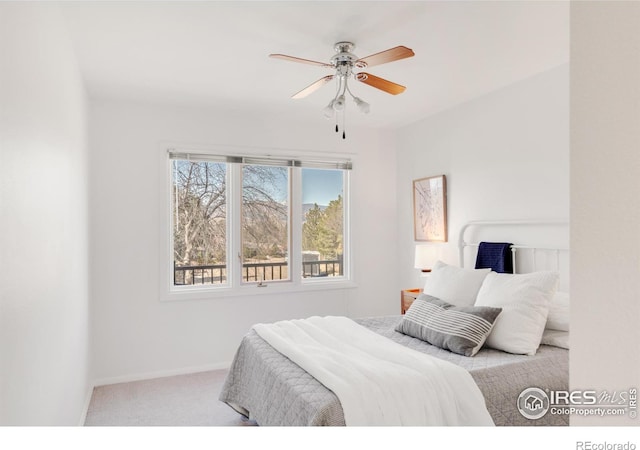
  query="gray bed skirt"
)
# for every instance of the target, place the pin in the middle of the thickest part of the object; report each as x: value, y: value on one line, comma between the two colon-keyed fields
x: 267, y: 387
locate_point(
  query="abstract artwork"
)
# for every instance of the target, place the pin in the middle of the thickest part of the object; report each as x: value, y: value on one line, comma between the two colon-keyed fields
x: 430, y: 209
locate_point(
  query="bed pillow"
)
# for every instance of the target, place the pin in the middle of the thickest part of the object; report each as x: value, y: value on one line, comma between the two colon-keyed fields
x: 556, y: 338
x: 460, y: 329
x: 453, y: 284
x: 558, y: 318
x: 524, y: 299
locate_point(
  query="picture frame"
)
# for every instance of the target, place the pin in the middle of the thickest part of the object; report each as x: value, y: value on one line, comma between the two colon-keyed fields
x: 430, y: 209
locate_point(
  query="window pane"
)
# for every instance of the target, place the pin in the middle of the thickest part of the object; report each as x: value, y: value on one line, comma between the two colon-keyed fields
x: 265, y: 223
x: 323, y: 223
x: 199, y: 222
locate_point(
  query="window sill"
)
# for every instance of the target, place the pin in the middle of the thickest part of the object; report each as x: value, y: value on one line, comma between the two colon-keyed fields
x: 250, y: 290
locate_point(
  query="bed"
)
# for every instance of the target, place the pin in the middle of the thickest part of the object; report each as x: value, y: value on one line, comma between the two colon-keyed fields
x: 269, y: 388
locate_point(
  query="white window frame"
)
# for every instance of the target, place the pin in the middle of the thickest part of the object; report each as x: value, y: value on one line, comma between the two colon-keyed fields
x: 235, y: 285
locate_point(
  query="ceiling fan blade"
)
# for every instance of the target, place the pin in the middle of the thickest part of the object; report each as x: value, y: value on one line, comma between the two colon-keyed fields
x: 300, y: 60
x: 380, y: 83
x: 393, y: 54
x: 313, y: 87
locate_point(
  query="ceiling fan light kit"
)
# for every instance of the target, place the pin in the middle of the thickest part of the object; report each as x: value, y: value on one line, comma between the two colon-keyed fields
x: 344, y: 62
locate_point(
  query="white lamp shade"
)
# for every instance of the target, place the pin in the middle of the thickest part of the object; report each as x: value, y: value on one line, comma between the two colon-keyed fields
x: 328, y: 110
x: 425, y: 257
x: 363, y: 106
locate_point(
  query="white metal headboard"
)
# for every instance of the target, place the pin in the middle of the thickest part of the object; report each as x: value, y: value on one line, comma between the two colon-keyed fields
x: 462, y: 242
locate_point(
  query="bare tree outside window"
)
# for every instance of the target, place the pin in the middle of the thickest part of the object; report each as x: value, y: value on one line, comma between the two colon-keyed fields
x: 199, y: 220
x: 265, y: 222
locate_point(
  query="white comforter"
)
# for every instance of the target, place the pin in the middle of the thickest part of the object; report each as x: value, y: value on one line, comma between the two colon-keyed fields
x: 378, y: 381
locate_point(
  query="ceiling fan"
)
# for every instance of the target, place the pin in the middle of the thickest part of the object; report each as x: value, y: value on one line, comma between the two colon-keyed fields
x: 346, y: 65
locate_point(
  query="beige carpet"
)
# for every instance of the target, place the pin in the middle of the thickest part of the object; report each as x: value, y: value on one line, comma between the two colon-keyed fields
x: 183, y: 400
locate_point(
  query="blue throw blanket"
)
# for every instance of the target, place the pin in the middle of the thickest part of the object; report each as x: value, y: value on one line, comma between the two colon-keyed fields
x: 495, y: 256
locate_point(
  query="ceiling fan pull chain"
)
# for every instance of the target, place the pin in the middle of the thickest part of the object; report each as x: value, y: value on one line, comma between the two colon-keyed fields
x: 344, y: 127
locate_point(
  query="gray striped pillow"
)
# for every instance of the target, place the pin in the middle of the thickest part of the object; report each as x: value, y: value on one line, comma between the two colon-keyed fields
x: 460, y: 329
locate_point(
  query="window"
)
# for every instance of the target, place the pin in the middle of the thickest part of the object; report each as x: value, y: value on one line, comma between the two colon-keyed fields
x: 323, y: 223
x: 265, y: 223
x: 242, y: 221
x: 199, y: 206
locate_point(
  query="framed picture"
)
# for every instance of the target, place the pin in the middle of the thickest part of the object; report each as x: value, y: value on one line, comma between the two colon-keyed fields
x: 430, y: 209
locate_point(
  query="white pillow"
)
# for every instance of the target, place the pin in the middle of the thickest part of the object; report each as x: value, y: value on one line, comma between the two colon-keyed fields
x: 455, y: 285
x: 558, y: 318
x: 524, y: 299
x: 556, y: 338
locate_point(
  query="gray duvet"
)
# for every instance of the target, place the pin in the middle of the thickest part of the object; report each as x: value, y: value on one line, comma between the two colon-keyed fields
x: 267, y: 387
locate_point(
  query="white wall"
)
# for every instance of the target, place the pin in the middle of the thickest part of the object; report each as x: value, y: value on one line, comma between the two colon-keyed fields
x: 44, y: 321
x: 505, y: 156
x: 605, y: 210
x: 136, y: 334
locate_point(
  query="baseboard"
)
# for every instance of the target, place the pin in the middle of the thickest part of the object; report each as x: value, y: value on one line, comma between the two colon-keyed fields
x: 160, y: 374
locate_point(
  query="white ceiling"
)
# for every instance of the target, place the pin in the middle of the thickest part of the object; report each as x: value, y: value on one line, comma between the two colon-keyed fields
x: 215, y: 53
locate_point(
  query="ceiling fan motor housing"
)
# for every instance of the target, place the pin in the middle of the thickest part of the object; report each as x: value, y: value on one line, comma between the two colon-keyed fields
x: 344, y: 60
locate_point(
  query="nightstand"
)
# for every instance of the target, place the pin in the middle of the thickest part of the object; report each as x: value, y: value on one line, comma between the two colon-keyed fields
x: 407, y: 296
